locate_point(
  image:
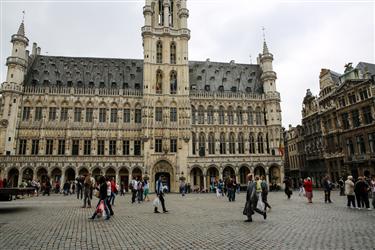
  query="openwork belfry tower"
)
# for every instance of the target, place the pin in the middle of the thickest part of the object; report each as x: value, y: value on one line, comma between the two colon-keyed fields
x: 162, y: 115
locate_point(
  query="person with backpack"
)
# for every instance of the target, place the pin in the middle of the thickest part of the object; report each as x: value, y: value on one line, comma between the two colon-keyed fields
x: 327, y: 185
x: 288, y: 187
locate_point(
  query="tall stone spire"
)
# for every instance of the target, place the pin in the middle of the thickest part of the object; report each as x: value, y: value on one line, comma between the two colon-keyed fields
x: 21, y: 29
x: 265, y: 48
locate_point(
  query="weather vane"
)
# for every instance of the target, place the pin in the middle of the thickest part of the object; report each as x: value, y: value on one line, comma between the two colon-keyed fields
x: 23, y: 15
x: 264, y: 34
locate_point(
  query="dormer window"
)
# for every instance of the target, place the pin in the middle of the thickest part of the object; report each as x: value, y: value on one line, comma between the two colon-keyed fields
x: 250, y: 80
x: 102, y: 85
x: 137, y: 86
x: 207, y: 87
x: 221, y: 88
x: 248, y: 90
x: 70, y: 83
x: 91, y: 84
x: 125, y: 85
x: 113, y: 85
x: 234, y: 89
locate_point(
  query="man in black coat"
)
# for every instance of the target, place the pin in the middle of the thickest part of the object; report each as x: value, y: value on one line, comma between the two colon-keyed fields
x: 252, y: 201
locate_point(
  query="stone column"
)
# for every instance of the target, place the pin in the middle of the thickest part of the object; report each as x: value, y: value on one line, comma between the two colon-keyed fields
x: 268, y: 175
x: 205, y: 181
x: 117, y: 177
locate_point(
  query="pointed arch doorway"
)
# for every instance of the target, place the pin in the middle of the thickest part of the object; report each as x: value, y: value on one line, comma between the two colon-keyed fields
x: 164, y: 170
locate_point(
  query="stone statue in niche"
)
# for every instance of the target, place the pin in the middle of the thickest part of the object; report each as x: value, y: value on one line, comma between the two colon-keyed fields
x: 159, y: 81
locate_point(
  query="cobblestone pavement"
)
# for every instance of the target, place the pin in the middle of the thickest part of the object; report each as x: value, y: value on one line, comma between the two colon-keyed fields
x: 196, y: 221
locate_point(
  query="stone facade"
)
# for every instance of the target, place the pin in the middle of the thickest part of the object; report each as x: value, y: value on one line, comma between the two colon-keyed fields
x: 338, y: 125
x: 126, y: 118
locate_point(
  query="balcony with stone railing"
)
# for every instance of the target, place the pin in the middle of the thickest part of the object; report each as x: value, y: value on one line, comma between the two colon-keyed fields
x: 226, y: 95
x: 17, y: 61
x: 10, y: 87
x: 56, y: 90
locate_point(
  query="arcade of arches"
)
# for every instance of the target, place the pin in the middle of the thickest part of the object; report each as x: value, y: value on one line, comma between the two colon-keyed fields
x: 204, y: 178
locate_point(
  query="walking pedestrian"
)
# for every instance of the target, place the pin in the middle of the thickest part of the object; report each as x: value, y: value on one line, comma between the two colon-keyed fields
x: 300, y: 187
x: 160, y: 194
x: 87, y: 190
x: 288, y: 187
x: 146, y: 190
x: 327, y: 185
x: 349, y: 191
x: 113, y: 191
x: 342, y: 186
x: 109, y: 195
x: 182, y: 187
x: 134, y: 186
x: 102, y: 198
x: 79, y: 187
x: 307, y: 185
x: 140, y: 191
x: 264, y: 186
x: 361, y: 190
x: 252, y: 201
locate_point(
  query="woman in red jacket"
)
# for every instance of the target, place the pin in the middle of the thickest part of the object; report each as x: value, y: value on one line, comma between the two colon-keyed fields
x: 308, y: 189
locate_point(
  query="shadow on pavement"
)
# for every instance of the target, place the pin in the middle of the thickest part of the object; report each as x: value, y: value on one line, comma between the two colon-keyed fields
x: 12, y: 210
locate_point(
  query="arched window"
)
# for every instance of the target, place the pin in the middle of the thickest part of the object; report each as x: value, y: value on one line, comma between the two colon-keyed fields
x: 173, y: 53
x: 250, y: 118
x: 241, y: 149
x: 202, y: 144
x: 230, y: 115
x: 223, y: 148
x: 232, y: 144
x: 260, y: 144
x: 210, y: 115
x: 173, y: 82
x: 159, y: 82
x: 161, y: 13
x: 194, y: 143
x: 239, y: 116
x: 221, y: 115
x: 159, y: 52
x: 211, y: 143
x: 258, y: 114
x: 251, y: 144
x: 201, y: 115
x: 193, y: 115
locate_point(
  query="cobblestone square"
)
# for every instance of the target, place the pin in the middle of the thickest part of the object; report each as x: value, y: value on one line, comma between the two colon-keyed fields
x: 196, y: 221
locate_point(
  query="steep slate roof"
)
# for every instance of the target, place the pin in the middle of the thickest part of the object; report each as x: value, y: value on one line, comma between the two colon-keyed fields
x: 209, y: 76
x: 128, y: 73
x: 363, y: 66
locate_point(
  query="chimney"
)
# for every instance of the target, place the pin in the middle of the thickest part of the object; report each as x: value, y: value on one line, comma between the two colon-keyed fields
x: 38, y: 50
x: 33, y: 52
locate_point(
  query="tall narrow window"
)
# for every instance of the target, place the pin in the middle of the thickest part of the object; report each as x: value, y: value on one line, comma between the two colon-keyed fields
x: 210, y: 115
x: 38, y: 113
x: 159, y: 82
x: 350, y: 146
x: 126, y: 147
x: 22, y: 147
x: 64, y: 114
x: 241, y: 148
x: 75, y: 147
x: 173, y: 53
x: 102, y: 115
x: 193, y: 115
x: 239, y: 116
x: 35, y: 147
x: 355, y: 118
x: 230, y: 115
x: 371, y: 142
x: 158, y: 145
x: 112, y: 147
x: 26, y: 113
x: 367, y: 115
x: 52, y: 114
x: 258, y: 114
x: 194, y: 143
x: 100, y: 150
x: 126, y: 115
x: 87, y: 147
x: 173, y: 146
x: 61, y: 147
x: 251, y: 144
x: 89, y: 112
x: 49, y: 147
x: 113, y: 115
x: 159, y: 52
x: 221, y: 115
x: 232, y: 144
x: 171, y: 13
x: 202, y: 144
x: 201, y: 115
x: 223, y: 147
x: 138, y: 116
x: 173, y: 82
x: 158, y: 114
x: 361, y: 145
x: 173, y: 114
x: 211, y: 143
x: 137, y: 147
x: 260, y: 144
x: 161, y: 13
x: 77, y: 114
x: 250, y: 118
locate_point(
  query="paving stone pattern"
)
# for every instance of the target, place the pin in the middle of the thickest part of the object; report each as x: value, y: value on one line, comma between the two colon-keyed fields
x: 196, y: 221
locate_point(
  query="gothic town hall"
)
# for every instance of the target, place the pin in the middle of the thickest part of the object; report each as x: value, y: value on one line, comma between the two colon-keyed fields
x: 161, y: 115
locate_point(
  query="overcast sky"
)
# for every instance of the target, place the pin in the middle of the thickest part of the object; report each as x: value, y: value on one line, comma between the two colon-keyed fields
x: 304, y: 36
